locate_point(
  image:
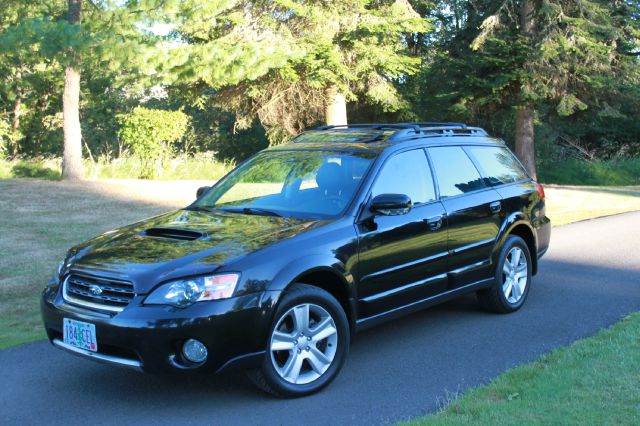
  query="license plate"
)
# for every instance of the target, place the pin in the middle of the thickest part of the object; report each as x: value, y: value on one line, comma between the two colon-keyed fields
x: 80, y: 334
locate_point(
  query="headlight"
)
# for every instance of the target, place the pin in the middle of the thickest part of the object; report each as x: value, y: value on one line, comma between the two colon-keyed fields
x: 186, y: 292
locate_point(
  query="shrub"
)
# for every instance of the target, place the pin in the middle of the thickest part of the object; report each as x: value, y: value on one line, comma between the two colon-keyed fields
x: 5, y: 134
x: 622, y: 171
x: 150, y: 134
x: 33, y: 168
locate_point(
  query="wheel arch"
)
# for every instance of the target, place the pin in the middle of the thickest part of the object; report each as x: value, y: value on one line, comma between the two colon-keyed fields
x: 517, y: 224
x: 327, y: 274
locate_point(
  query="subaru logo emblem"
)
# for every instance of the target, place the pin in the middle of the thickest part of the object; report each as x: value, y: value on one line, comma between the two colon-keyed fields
x: 95, y: 290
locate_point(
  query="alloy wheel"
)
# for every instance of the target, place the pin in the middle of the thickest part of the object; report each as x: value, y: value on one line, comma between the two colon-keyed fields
x: 303, y: 343
x: 515, y: 275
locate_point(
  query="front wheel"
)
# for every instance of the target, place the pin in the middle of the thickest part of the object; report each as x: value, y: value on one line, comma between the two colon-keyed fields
x: 512, y: 279
x: 307, y: 345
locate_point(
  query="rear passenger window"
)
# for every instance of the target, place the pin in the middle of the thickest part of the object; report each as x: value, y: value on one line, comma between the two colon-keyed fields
x: 498, y: 165
x: 406, y: 173
x: 455, y: 171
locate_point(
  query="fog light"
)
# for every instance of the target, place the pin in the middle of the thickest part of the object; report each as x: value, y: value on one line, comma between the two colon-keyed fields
x: 194, y: 350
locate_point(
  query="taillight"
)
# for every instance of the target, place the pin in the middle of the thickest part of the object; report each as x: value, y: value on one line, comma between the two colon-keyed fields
x: 540, y: 190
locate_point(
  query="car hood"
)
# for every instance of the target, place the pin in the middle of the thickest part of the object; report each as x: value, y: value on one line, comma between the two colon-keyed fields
x: 182, y: 243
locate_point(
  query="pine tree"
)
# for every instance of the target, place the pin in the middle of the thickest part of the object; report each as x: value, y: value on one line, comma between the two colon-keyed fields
x: 294, y: 63
x: 569, y: 46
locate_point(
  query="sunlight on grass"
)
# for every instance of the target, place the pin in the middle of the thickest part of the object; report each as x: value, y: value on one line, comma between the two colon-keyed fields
x: 40, y: 220
x: 202, y: 166
x: 568, y: 204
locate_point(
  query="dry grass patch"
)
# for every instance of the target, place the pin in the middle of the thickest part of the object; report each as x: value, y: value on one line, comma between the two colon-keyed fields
x: 566, y: 204
x: 40, y: 220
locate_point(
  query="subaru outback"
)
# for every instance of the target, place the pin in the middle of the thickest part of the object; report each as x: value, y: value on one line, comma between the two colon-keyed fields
x: 275, y: 267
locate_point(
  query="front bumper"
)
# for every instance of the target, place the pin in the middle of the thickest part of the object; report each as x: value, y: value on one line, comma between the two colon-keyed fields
x: 149, y: 338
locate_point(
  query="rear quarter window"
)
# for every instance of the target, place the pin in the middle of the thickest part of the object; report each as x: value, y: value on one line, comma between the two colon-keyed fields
x: 498, y: 165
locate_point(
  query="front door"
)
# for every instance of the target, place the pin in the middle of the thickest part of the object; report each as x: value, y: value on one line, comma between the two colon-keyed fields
x: 402, y: 258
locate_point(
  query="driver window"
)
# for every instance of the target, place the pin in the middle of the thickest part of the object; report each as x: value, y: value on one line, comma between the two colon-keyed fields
x: 406, y: 173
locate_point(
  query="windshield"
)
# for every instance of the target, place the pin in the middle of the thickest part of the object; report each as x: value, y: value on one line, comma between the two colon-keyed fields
x: 290, y: 183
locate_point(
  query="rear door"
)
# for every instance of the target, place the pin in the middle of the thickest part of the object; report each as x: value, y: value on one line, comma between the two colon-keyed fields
x: 402, y: 259
x: 473, y: 212
x: 503, y: 172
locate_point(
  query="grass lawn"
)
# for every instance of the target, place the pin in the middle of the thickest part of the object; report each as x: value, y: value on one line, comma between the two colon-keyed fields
x: 41, y: 219
x: 566, y: 204
x: 595, y: 381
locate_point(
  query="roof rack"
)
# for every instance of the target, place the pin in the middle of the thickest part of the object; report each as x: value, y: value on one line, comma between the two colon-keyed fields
x: 402, y: 130
x: 446, y: 128
x: 377, y: 126
x: 422, y: 124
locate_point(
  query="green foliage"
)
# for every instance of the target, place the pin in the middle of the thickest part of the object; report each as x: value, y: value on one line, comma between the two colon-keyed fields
x: 357, y: 47
x: 250, y: 73
x: 150, y: 134
x: 581, y: 73
x: 213, y: 129
x: 5, y: 135
x: 41, y: 168
x: 624, y: 171
x: 35, y: 169
x: 201, y: 166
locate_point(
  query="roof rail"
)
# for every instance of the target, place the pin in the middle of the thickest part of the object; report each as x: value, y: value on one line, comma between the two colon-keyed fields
x: 376, y: 126
x: 446, y: 128
x: 453, y: 130
x: 423, y: 124
x: 401, y: 129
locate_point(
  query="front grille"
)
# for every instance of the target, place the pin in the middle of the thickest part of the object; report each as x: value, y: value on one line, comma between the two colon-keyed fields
x: 98, y: 292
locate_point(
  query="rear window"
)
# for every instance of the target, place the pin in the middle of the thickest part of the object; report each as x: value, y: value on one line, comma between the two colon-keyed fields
x: 498, y: 164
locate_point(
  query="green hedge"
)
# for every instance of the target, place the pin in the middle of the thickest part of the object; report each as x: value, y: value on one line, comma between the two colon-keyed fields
x: 579, y: 172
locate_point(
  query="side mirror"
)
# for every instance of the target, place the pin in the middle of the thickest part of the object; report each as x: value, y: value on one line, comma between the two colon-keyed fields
x: 391, y: 204
x: 201, y: 191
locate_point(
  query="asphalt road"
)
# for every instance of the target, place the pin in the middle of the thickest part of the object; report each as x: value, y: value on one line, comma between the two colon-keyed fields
x: 588, y: 280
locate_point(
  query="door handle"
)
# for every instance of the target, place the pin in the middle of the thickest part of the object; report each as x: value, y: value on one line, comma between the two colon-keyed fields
x: 495, y: 207
x: 434, y: 222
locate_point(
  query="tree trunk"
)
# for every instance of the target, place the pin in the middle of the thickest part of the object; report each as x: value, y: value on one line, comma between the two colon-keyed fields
x: 72, y: 159
x: 525, y: 141
x: 336, y: 111
x: 17, y: 112
x: 525, y: 148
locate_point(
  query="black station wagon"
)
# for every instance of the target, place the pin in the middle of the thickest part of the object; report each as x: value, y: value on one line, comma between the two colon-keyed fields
x: 275, y: 267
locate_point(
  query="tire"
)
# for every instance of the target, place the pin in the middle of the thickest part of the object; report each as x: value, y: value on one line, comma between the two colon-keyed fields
x: 511, y: 286
x: 302, y: 359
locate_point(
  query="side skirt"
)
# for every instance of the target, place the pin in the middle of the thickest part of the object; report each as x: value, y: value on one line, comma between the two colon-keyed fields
x: 365, y: 323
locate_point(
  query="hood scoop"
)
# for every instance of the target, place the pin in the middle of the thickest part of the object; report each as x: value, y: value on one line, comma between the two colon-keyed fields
x: 174, y: 233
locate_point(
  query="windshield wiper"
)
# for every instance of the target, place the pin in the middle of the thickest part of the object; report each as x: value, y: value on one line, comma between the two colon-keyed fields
x: 252, y: 210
